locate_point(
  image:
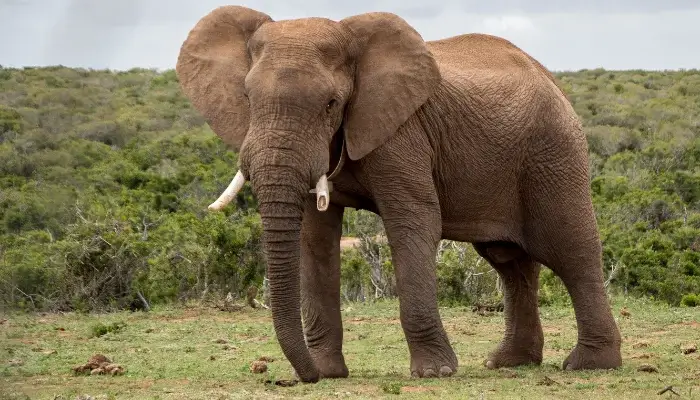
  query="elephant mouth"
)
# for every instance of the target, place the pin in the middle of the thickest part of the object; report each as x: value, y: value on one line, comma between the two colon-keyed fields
x: 322, y: 189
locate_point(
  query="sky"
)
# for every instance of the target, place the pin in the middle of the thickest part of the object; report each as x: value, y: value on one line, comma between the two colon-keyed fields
x: 564, y: 35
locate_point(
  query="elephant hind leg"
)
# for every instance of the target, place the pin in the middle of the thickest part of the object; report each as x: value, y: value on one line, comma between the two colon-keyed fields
x: 561, y: 233
x: 523, y: 339
x: 580, y: 269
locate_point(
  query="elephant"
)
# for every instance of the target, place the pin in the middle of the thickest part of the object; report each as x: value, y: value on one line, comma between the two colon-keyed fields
x: 466, y: 138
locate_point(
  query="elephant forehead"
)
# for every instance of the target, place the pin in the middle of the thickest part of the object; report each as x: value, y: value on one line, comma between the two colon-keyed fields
x: 322, y: 37
x: 290, y: 82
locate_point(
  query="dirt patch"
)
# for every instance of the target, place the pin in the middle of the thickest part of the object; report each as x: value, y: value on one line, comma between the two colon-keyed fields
x: 642, y: 356
x: 692, y: 324
x: 362, y: 320
x: 551, y: 353
x: 551, y: 330
x: 349, y: 242
x: 416, y: 389
x: 187, y: 314
x: 144, y: 383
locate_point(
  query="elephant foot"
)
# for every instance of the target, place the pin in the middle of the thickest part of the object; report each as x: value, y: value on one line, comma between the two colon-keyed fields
x: 584, y: 356
x: 434, y: 360
x: 330, y: 365
x: 510, y: 355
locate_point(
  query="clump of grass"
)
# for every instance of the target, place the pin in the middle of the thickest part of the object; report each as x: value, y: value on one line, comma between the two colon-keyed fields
x: 100, y: 329
x: 392, y: 387
x: 690, y: 300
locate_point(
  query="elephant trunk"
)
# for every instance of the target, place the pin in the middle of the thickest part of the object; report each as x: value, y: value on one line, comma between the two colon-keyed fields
x: 281, y: 193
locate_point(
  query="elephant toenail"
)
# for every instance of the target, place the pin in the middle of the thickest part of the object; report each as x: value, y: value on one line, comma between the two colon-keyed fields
x: 429, y: 373
x: 490, y: 364
x: 445, y: 371
x: 415, y: 374
x: 569, y: 367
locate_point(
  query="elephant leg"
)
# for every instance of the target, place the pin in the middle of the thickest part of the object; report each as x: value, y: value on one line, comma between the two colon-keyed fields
x: 413, y: 231
x: 523, y: 340
x: 562, y: 234
x: 320, y: 288
x: 413, y: 246
x: 598, y: 345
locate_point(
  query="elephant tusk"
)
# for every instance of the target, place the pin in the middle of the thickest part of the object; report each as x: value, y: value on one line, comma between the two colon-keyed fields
x: 322, y: 194
x: 231, y: 191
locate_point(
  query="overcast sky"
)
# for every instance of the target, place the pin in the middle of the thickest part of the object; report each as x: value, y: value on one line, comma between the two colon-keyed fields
x: 562, y: 34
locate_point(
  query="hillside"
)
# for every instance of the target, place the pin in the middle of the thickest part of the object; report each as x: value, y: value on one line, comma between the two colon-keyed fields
x: 105, y: 178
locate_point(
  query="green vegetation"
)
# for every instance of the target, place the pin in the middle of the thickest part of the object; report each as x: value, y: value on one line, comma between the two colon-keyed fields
x: 105, y: 178
x: 201, y: 353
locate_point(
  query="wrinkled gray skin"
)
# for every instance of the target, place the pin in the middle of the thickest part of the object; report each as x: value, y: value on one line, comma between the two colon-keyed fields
x: 466, y: 138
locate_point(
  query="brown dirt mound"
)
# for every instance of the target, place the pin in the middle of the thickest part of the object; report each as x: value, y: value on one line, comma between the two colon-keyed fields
x: 99, y: 364
x: 258, y: 367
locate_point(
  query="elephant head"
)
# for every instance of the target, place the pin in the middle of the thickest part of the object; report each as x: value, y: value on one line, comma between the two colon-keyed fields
x: 283, y: 94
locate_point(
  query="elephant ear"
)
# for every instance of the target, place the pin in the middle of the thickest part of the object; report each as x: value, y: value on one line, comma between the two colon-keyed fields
x: 395, y: 74
x: 212, y: 66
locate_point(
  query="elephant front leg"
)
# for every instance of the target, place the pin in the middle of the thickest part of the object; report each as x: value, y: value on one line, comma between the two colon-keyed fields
x: 414, y: 233
x: 320, y: 288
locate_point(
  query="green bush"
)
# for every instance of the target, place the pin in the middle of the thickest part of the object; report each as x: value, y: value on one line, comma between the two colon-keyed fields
x: 690, y: 300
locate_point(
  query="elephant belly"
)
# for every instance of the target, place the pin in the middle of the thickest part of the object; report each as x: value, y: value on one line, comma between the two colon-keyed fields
x: 482, y: 226
x: 480, y: 202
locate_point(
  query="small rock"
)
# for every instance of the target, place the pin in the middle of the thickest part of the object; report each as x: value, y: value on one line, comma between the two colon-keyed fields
x: 641, y: 344
x: 212, y: 358
x: 221, y: 341
x: 689, y: 349
x: 647, y: 368
x: 97, y: 371
x: 258, y: 367
x: 624, y: 312
x: 150, y: 330
x: 16, y: 362
x: 266, y: 359
x: 49, y: 352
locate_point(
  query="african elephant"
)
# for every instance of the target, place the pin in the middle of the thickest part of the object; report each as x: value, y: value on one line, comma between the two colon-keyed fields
x: 466, y: 138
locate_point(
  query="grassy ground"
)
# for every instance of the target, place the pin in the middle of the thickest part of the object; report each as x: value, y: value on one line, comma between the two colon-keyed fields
x: 174, y: 354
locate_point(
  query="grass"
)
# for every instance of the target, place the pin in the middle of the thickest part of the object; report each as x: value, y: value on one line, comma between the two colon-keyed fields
x: 175, y: 353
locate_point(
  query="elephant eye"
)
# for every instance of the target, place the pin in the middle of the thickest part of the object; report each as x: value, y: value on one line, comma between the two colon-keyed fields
x: 331, y: 105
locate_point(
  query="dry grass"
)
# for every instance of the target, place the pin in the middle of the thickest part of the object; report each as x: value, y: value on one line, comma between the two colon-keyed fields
x: 198, y: 353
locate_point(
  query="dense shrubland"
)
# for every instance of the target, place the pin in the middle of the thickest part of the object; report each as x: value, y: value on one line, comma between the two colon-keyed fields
x: 105, y: 178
